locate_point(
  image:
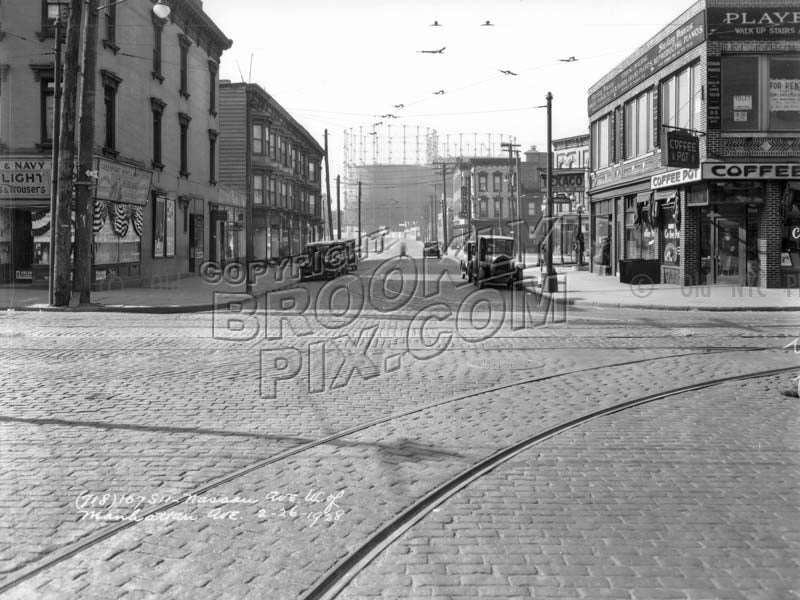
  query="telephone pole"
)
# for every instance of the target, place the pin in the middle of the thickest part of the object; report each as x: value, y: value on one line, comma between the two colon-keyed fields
x: 338, y: 211
x: 54, y: 163
x: 512, y: 184
x: 359, y: 218
x: 550, y: 281
x: 328, y: 188
x: 82, y: 283
x: 444, y: 203
x: 62, y: 219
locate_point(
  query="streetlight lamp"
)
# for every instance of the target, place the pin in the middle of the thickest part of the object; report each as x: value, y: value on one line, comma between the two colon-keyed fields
x: 579, y: 237
x: 550, y: 281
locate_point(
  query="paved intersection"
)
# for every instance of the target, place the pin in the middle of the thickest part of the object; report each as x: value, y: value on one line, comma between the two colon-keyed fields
x: 153, y: 404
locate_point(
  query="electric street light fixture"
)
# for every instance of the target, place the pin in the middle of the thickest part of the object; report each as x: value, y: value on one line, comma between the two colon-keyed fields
x: 579, y: 237
x: 550, y: 281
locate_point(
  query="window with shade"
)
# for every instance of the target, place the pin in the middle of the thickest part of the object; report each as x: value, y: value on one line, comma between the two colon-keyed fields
x: 681, y: 96
x: 639, y: 125
x: 600, y: 142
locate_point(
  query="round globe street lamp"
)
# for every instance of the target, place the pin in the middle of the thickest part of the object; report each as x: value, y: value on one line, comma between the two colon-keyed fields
x: 161, y: 10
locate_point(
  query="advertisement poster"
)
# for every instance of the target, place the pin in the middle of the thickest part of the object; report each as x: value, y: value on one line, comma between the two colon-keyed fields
x: 170, y: 227
x: 784, y: 95
x: 158, y: 226
x: 742, y: 103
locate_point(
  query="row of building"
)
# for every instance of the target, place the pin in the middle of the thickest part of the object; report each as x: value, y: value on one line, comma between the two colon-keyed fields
x: 188, y: 168
x: 691, y: 161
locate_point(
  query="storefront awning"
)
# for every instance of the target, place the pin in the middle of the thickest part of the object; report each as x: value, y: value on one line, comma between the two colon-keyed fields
x: 643, y: 197
x: 668, y: 195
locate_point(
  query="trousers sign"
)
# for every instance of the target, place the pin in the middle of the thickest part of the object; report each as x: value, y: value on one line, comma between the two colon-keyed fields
x: 751, y: 171
x: 674, y: 178
x: 680, y: 149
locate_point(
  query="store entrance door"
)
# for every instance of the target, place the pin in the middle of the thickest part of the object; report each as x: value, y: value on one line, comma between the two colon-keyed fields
x: 723, y: 246
x: 216, y: 236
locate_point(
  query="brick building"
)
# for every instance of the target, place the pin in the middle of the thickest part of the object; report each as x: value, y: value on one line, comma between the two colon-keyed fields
x: 155, y: 136
x: 721, y: 81
x: 269, y: 158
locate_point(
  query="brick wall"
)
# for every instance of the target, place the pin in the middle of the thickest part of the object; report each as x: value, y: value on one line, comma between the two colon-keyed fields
x: 769, y: 237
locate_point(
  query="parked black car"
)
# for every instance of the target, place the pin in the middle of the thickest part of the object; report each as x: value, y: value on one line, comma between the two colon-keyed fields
x: 431, y: 249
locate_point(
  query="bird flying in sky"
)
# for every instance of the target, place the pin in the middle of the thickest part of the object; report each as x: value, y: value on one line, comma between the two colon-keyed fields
x: 570, y: 59
x: 487, y: 24
x: 439, y: 51
x: 435, y: 24
x: 378, y: 123
x: 504, y: 72
x: 399, y: 105
x: 388, y: 116
x: 439, y: 92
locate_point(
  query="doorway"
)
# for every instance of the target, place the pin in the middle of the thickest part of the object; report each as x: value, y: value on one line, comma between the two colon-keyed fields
x: 727, y: 252
x: 217, y: 239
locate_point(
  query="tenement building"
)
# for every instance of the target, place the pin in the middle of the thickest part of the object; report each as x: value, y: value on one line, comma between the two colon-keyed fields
x: 272, y: 161
x: 153, y: 180
x: 695, y: 151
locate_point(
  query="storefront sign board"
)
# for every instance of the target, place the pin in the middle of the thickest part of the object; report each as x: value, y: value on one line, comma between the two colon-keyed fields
x: 680, y: 149
x: 25, y: 178
x: 678, y: 42
x: 674, y: 178
x: 567, y: 180
x: 751, y: 171
x: 122, y: 183
x: 714, y: 92
x: 749, y: 22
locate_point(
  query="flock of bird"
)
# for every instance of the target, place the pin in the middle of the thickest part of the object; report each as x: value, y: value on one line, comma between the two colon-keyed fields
x: 441, y: 50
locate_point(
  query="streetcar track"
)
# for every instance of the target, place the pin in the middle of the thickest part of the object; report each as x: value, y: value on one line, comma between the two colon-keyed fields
x: 337, y: 578
x: 94, y: 538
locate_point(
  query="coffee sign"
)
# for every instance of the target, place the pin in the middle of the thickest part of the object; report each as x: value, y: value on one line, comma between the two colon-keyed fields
x: 751, y: 171
x: 680, y: 150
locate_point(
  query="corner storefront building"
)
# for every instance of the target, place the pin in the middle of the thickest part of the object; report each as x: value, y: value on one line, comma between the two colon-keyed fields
x: 695, y: 152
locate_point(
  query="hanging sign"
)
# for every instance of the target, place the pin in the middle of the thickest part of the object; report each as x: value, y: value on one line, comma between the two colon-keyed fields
x: 122, y: 183
x: 680, y: 149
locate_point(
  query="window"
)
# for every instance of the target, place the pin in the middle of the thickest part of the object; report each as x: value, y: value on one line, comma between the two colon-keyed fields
x: 312, y: 171
x: 639, y: 125
x: 284, y: 195
x: 273, y: 146
x: 258, y: 189
x: 482, y: 182
x: 184, y: 44
x: 312, y: 204
x: 497, y: 182
x: 258, y: 139
x: 600, y: 142
x: 110, y: 87
x: 110, y: 18
x: 498, y: 208
x: 163, y: 227
x: 639, y: 235
x: 183, y: 120
x: 272, y: 192
x: 532, y: 209
x: 47, y: 91
x: 483, y: 207
x: 157, y: 107
x: 681, y: 99
x: 761, y: 93
x: 212, y: 156
x: 212, y: 88
x: 158, y: 29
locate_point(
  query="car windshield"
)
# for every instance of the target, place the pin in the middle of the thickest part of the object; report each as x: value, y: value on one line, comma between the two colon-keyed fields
x: 495, y: 246
x: 431, y: 244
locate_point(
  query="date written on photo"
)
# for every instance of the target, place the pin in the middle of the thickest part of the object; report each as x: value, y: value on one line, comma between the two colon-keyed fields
x: 316, y: 506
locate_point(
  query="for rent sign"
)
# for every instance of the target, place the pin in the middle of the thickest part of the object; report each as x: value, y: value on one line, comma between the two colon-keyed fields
x: 751, y: 171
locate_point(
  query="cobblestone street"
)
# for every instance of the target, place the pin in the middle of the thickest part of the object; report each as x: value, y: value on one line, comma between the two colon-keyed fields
x: 143, y: 455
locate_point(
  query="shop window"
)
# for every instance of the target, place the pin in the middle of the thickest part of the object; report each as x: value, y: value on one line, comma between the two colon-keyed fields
x: 681, y: 99
x: 601, y: 142
x: 163, y: 227
x: 761, y: 93
x: 184, y: 43
x: 212, y: 156
x: 639, y: 230
x: 639, y: 125
x: 158, y: 30
x: 483, y: 182
x: 157, y: 108
x: 183, y: 120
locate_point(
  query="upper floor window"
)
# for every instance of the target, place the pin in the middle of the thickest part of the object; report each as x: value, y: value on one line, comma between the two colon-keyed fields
x: 639, y: 125
x: 183, y: 121
x: 110, y: 87
x: 212, y: 156
x: 497, y: 182
x: 110, y: 20
x: 258, y: 189
x: 272, y: 192
x: 681, y: 99
x: 259, y: 138
x: 212, y: 87
x: 158, y: 29
x: 312, y: 171
x: 483, y: 207
x: 761, y: 93
x: 184, y: 43
x: 273, y: 145
x: 498, y: 208
x: 601, y: 142
x: 483, y: 182
x: 157, y: 107
x: 47, y: 91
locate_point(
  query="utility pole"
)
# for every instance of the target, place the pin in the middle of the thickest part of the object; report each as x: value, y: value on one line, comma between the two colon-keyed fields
x: 444, y: 204
x: 550, y: 281
x: 82, y: 282
x: 359, y: 218
x: 338, y: 211
x: 62, y: 219
x: 54, y: 165
x: 513, y: 186
x: 520, y: 220
x: 328, y: 188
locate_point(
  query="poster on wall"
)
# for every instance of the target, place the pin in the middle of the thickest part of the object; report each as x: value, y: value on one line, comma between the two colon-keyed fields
x: 158, y: 226
x: 169, y: 229
x: 784, y: 95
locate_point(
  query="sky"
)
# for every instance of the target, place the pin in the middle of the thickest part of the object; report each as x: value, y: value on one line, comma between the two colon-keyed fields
x: 342, y: 64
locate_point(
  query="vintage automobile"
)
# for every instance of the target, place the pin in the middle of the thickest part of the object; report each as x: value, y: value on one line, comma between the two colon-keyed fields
x: 431, y: 249
x: 352, y: 254
x: 493, y: 261
x: 326, y: 259
x: 465, y: 259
